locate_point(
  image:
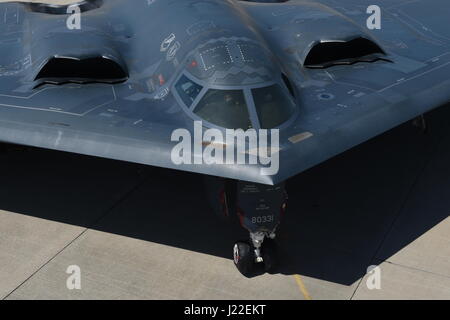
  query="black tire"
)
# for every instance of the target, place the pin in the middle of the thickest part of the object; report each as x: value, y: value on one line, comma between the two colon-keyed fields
x: 269, y: 254
x: 244, y: 258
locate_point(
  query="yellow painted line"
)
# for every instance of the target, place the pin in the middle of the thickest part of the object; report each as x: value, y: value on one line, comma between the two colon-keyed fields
x: 302, y: 287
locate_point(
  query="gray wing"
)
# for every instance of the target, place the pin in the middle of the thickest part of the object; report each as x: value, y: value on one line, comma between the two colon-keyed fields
x: 349, y: 102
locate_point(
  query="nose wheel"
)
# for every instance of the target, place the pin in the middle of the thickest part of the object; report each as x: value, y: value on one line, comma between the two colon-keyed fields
x: 244, y: 258
x: 248, y: 256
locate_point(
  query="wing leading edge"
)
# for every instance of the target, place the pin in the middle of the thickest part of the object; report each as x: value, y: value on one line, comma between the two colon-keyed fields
x: 340, y: 106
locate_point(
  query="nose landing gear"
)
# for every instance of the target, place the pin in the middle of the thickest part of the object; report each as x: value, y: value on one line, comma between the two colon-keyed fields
x: 260, y: 250
x: 258, y: 209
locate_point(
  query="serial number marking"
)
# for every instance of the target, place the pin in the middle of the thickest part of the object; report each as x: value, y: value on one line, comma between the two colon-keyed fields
x: 263, y: 219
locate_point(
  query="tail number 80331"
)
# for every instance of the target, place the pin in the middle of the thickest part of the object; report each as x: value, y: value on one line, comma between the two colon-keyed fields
x: 263, y: 219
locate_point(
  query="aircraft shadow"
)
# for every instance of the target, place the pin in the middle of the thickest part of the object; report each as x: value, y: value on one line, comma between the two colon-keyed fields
x: 340, y: 214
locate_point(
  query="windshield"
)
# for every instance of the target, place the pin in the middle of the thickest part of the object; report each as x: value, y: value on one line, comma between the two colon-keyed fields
x: 188, y: 90
x: 224, y: 108
x: 273, y: 106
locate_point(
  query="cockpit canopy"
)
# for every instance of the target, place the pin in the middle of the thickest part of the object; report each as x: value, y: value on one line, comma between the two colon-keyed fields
x: 234, y: 83
x: 265, y: 106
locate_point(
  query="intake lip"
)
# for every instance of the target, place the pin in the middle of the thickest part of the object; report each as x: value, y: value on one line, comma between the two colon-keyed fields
x: 96, y: 69
x: 328, y: 53
x: 84, y: 5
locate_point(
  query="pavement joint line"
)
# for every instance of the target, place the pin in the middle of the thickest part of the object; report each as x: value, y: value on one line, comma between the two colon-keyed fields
x: 107, y: 211
x: 417, y: 269
x: 44, y: 264
x: 302, y: 287
x: 402, y: 207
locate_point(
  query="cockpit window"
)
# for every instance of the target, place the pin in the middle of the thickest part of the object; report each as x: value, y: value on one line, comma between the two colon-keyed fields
x: 273, y: 106
x: 224, y: 108
x: 188, y: 90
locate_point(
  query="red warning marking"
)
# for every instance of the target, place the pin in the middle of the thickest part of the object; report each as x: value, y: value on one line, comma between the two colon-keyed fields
x: 161, y: 80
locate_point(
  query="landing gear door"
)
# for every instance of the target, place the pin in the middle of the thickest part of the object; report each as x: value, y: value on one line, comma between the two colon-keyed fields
x: 260, y: 206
